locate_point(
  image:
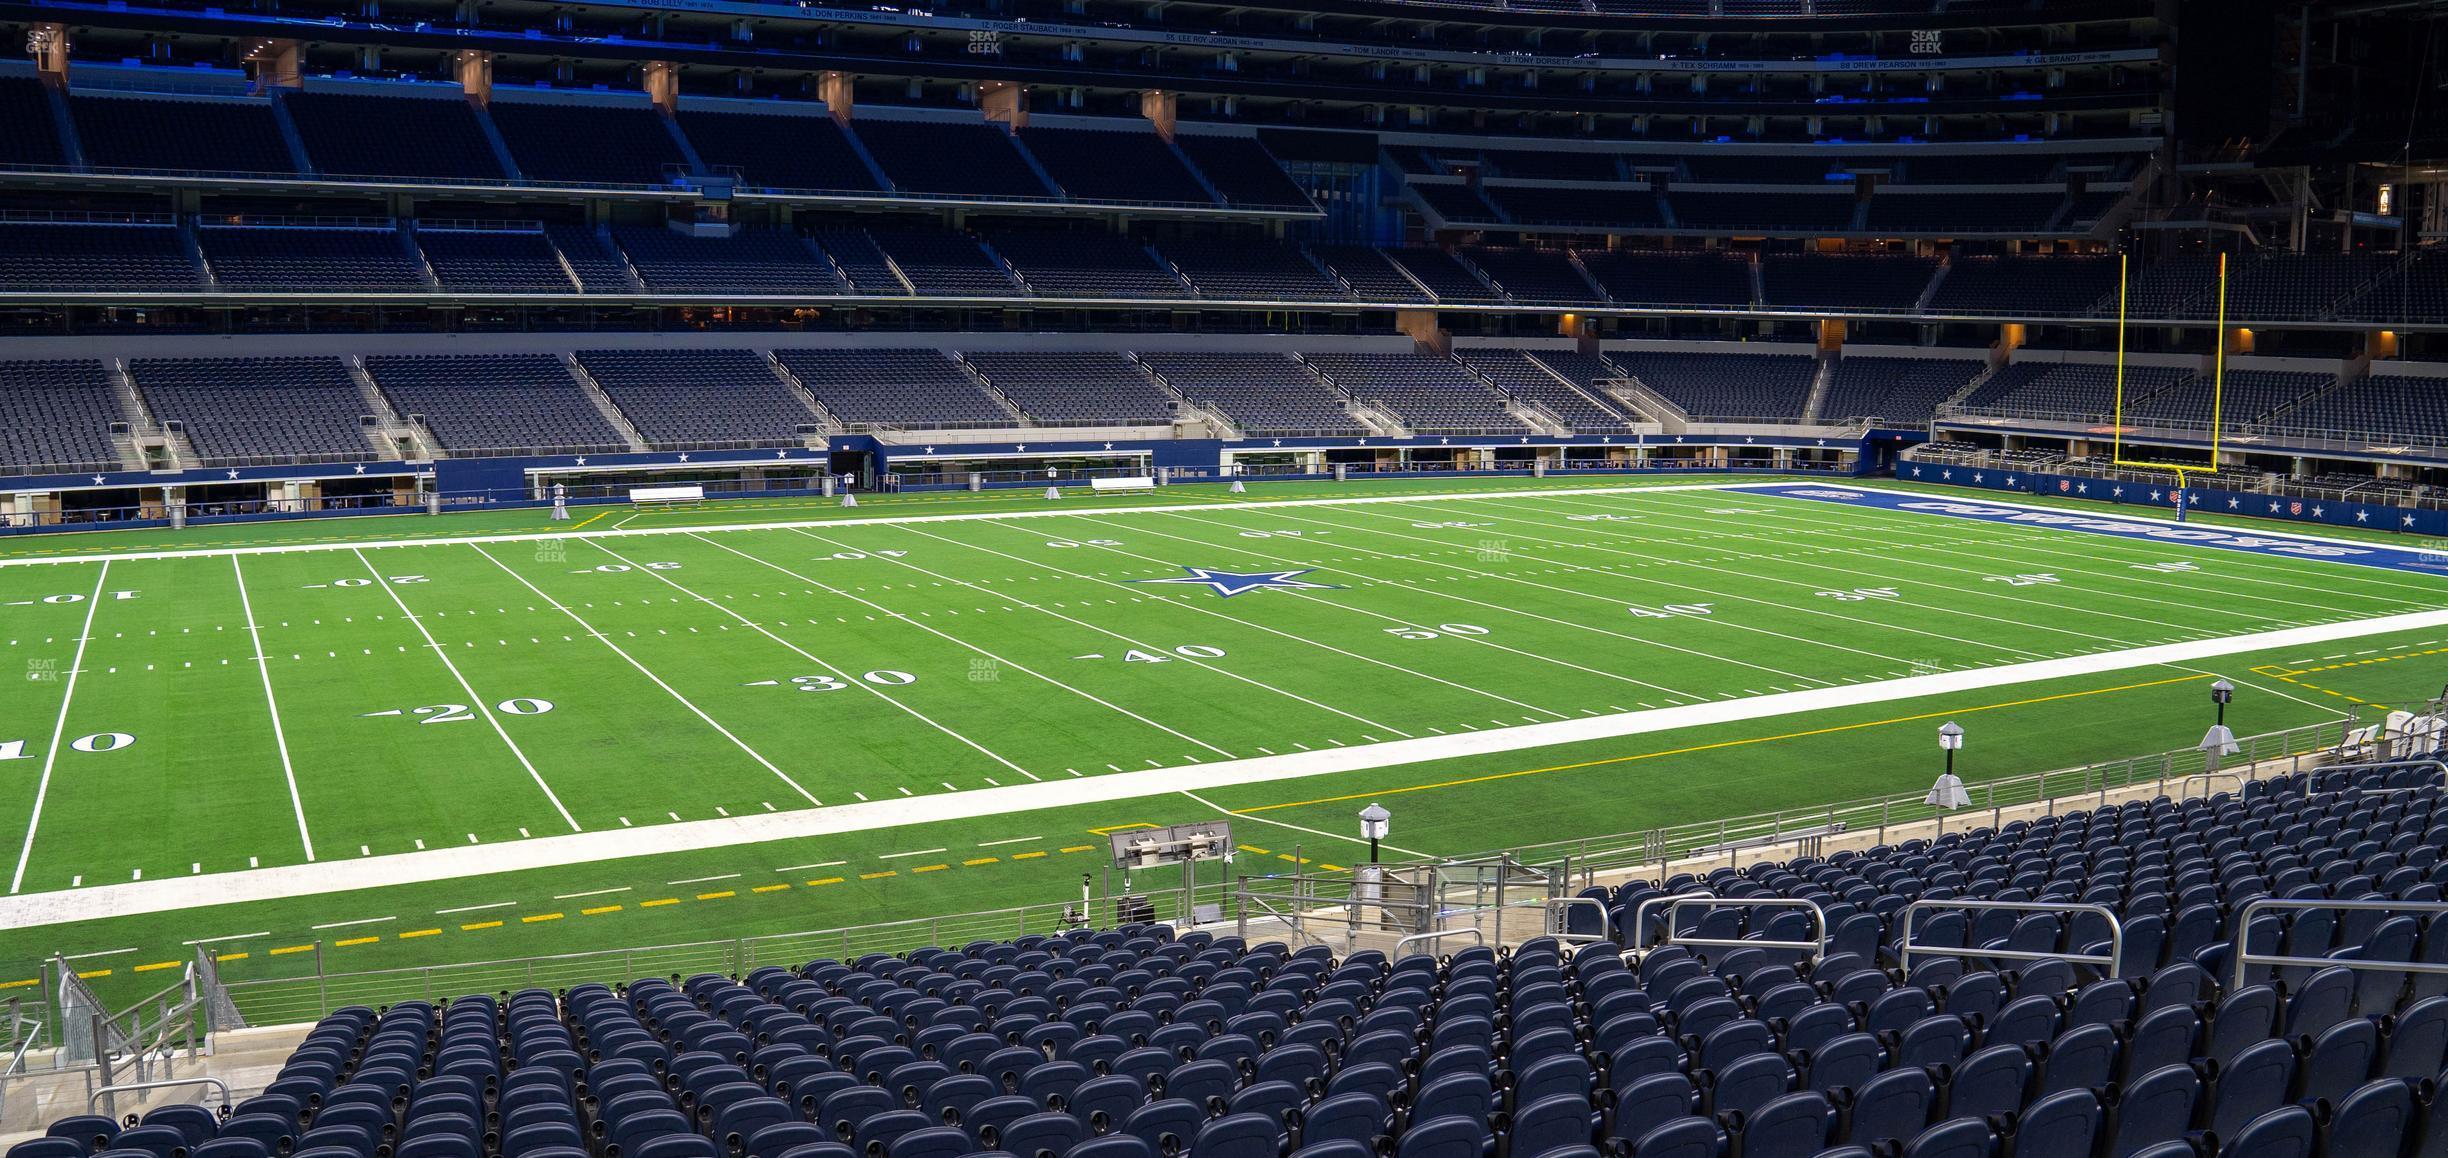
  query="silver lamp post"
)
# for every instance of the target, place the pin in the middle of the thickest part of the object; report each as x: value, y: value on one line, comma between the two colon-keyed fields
x: 2219, y: 741
x: 1373, y: 820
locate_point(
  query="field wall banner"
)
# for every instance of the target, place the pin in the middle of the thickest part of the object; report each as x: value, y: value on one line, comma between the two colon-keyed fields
x: 2162, y: 496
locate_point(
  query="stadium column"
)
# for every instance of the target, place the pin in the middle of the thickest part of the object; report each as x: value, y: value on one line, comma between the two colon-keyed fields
x: 838, y: 92
x: 1005, y: 103
x: 663, y: 86
x: 275, y: 64
x: 475, y: 74
x: 49, y: 45
x: 1422, y: 326
x: 1160, y: 108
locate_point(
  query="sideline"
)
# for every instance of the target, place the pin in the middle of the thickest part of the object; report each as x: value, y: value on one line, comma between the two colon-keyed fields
x: 1056, y: 509
x: 170, y: 894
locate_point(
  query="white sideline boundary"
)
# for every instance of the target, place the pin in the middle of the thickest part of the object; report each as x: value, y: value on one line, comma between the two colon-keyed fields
x: 174, y: 893
x: 1052, y: 511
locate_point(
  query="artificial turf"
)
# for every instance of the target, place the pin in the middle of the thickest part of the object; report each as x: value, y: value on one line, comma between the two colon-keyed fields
x: 485, y: 694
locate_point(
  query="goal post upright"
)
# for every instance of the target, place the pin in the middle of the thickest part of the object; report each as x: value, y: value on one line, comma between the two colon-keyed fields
x: 2218, y: 382
x: 2116, y: 429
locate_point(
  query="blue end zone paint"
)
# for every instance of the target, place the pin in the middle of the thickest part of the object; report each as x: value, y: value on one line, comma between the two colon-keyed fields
x: 2195, y: 535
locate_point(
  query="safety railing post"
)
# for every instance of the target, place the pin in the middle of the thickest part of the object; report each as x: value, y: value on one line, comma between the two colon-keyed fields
x: 2112, y: 963
x: 1817, y: 945
x: 2245, y: 959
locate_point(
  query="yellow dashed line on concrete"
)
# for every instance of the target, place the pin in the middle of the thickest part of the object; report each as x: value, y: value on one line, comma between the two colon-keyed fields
x: 602, y: 910
x: 2289, y: 674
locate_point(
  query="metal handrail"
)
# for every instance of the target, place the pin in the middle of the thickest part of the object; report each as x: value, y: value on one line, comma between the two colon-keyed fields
x: 2116, y: 933
x: 1640, y: 915
x: 2238, y: 777
x: 1815, y: 946
x: 2246, y: 958
x: 166, y: 1083
x: 2439, y: 765
x: 1560, y: 906
x: 1471, y: 931
x: 2035, y: 788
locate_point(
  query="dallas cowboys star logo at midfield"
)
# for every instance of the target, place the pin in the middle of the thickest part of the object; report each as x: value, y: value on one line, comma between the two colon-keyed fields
x: 1231, y: 583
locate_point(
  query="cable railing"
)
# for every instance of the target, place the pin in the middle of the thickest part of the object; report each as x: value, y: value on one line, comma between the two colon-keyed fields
x: 308, y: 988
x: 1314, y: 902
x: 1769, y: 834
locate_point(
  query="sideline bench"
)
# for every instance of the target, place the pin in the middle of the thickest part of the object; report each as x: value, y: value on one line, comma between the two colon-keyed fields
x: 1132, y: 483
x: 665, y: 496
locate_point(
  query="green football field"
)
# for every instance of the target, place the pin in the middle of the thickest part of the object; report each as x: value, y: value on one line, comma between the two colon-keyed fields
x: 377, y: 743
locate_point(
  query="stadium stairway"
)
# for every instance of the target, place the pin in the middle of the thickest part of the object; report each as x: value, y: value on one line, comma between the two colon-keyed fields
x: 603, y: 404
x: 143, y: 431
x: 72, y: 147
x: 246, y: 1059
x: 1821, y: 380
x: 831, y: 422
x: 391, y: 434
x: 289, y: 134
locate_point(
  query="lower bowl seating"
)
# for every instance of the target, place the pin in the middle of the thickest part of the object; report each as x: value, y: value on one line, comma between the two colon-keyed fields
x: 1140, y: 1042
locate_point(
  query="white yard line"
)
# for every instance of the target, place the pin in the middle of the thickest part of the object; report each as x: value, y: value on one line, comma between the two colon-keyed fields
x: 280, y: 737
x: 674, y: 693
x: 359, y: 921
x: 1618, y: 601
x: 1920, y: 571
x: 1383, y: 617
x: 1052, y: 510
x: 2249, y: 682
x: 803, y: 653
x: 956, y: 640
x: 1134, y: 642
x: 1921, y: 525
x: 1379, y: 616
x: 1422, y: 590
x: 1425, y: 591
x: 1346, y: 837
x: 478, y: 702
x: 186, y: 892
x: 59, y: 729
